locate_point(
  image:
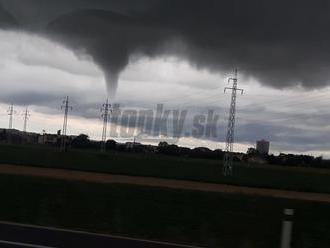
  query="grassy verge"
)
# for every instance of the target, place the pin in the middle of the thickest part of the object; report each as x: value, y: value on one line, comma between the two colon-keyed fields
x: 168, y: 167
x: 209, y: 219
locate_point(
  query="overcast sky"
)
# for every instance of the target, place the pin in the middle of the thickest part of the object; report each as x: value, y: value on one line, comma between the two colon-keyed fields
x: 140, y: 57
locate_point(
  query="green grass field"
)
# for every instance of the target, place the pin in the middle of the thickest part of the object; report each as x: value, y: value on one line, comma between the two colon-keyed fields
x: 300, y: 179
x: 209, y: 219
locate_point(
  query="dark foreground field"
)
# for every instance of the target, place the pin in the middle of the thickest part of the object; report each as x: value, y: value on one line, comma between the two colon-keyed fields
x: 209, y: 219
x: 183, y: 216
x: 266, y: 176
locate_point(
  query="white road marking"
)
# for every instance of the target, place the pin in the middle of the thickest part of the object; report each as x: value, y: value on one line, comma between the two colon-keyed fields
x: 94, y: 234
x: 24, y: 244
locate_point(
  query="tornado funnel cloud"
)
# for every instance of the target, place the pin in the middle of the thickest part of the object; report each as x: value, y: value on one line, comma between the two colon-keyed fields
x: 111, y: 79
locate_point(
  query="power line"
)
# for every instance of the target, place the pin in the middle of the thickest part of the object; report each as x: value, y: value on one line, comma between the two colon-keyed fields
x: 106, y: 110
x: 228, y: 158
x: 66, y: 108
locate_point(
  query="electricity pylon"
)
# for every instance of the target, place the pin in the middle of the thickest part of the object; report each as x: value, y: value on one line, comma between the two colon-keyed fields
x: 11, y: 112
x: 26, y: 116
x: 66, y: 108
x: 106, y: 111
x: 228, y: 157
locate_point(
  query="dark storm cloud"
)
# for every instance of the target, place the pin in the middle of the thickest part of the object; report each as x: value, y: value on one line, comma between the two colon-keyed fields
x: 6, y: 19
x: 28, y: 98
x: 281, y: 43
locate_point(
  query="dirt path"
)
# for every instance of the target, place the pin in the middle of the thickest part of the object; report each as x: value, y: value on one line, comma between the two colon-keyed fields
x: 71, y: 175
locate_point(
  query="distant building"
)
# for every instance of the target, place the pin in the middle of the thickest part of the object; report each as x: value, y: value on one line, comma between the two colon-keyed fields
x: 48, y: 139
x: 14, y: 136
x: 131, y: 145
x: 263, y: 147
x: 257, y: 160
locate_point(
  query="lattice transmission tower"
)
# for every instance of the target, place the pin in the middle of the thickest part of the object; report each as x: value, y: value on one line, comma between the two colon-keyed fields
x: 11, y: 113
x: 26, y: 116
x: 228, y: 157
x: 106, y: 111
x: 66, y: 108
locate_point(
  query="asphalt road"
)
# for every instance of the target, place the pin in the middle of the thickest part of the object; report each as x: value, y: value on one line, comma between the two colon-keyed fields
x: 14, y: 235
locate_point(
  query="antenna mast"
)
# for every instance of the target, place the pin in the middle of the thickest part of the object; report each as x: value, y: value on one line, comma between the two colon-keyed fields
x: 228, y: 158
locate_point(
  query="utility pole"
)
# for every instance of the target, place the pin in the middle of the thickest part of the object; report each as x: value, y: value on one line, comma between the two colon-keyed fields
x: 106, y: 111
x: 66, y: 108
x: 26, y: 116
x: 11, y: 112
x: 228, y: 158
